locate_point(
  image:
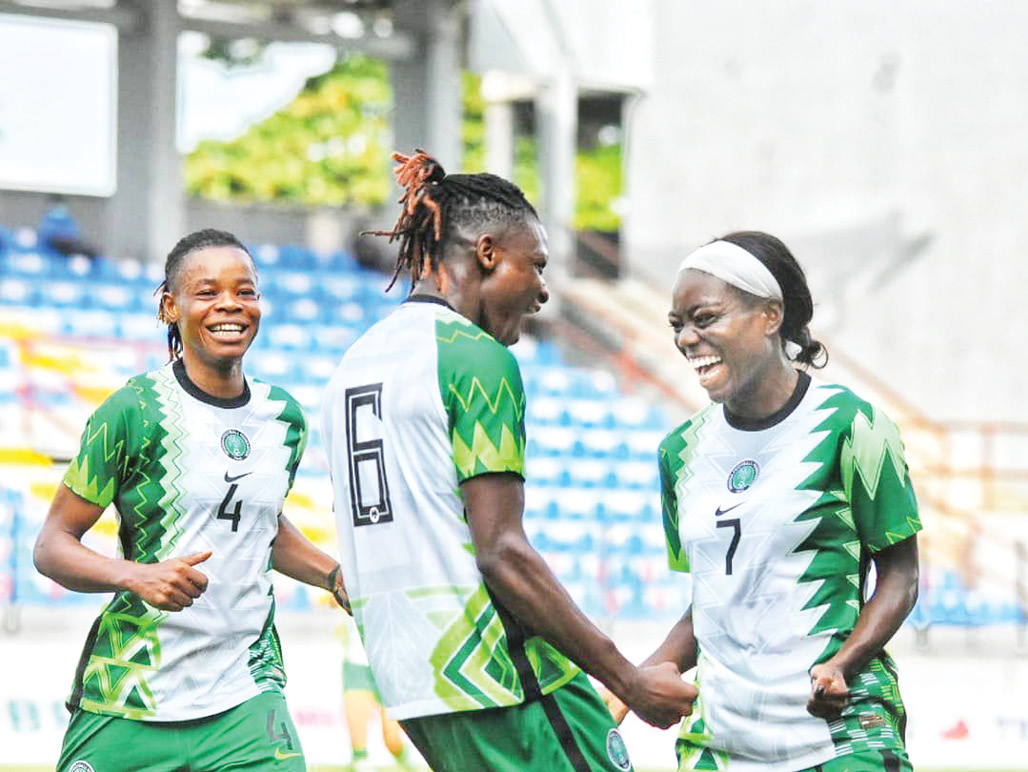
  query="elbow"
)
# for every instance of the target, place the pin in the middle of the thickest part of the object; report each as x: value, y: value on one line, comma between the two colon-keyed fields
x: 41, y: 557
x: 498, y: 561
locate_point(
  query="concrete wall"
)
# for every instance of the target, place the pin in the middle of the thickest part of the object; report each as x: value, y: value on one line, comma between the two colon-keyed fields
x: 885, y: 142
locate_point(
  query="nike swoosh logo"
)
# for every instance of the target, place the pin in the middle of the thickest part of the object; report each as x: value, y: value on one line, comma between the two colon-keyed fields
x: 232, y: 478
x: 281, y: 755
x: 718, y: 512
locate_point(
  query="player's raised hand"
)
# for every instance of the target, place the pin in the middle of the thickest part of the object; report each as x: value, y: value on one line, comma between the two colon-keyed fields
x: 659, y: 696
x: 618, y: 709
x: 172, y: 584
x: 828, y: 691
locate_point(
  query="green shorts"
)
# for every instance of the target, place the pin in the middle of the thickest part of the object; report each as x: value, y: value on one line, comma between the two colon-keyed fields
x: 868, y: 761
x: 255, y: 735
x: 358, y: 678
x: 570, y: 730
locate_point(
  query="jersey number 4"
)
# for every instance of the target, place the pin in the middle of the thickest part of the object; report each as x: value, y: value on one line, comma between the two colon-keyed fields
x: 369, y: 489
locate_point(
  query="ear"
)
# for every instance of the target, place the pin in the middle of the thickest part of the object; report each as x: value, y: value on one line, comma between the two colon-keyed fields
x: 486, y: 252
x: 169, y: 309
x: 774, y: 316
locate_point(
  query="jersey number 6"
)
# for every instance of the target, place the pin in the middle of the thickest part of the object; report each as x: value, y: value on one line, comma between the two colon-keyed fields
x: 369, y: 489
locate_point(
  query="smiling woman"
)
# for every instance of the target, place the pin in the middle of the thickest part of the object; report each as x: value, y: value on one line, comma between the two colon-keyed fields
x: 778, y: 499
x: 197, y: 460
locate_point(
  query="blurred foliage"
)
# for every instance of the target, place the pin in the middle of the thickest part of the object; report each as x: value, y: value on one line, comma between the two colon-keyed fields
x: 330, y: 147
x: 598, y: 188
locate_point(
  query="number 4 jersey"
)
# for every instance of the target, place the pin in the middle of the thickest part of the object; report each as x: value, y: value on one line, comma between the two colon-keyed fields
x: 777, y: 521
x: 188, y: 473
x: 423, y: 401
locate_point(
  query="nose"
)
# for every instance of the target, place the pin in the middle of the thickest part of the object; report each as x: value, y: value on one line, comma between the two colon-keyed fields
x: 544, y: 292
x: 686, y: 337
x: 228, y: 300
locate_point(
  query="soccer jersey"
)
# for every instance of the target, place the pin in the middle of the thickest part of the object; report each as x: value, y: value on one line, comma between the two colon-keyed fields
x: 777, y: 522
x: 187, y: 473
x: 423, y: 401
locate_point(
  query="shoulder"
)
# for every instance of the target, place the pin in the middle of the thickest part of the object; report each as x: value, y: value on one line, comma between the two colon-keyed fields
x: 288, y: 408
x: 464, y: 347
x: 686, y: 433
x: 844, y: 406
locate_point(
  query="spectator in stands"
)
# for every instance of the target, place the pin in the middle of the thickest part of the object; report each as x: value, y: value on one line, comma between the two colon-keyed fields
x: 778, y: 498
x: 197, y: 460
x: 59, y: 231
x: 472, y: 640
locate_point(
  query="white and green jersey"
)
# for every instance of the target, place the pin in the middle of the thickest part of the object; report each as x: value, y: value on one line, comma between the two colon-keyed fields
x: 777, y: 521
x: 187, y: 473
x: 423, y: 401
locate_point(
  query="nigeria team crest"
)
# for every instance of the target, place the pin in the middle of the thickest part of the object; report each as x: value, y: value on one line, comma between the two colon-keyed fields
x: 617, y: 752
x: 743, y: 475
x: 235, y: 444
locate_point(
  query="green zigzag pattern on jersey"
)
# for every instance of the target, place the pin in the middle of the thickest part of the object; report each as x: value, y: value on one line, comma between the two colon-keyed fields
x: 472, y: 666
x: 127, y: 650
x: 488, y: 449
x: 693, y: 737
x: 83, y: 479
x: 676, y: 454
x: 265, y: 662
x: 296, y: 433
x: 167, y: 395
x: 148, y: 490
x: 835, y: 523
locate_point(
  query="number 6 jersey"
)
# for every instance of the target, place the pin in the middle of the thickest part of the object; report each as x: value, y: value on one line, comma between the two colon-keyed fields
x: 423, y: 401
x: 188, y: 473
x: 777, y: 521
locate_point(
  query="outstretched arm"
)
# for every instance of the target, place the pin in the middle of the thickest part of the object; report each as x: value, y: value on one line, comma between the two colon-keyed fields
x: 678, y: 647
x: 294, y: 555
x: 521, y: 580
x: 894, y: 597
x: 170, y: 585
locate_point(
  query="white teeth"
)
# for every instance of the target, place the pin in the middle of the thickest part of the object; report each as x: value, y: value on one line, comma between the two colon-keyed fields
x: 700, y: 362
x: 227, y: 328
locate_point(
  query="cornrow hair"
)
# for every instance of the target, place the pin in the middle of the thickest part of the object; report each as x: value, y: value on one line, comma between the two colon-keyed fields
x: 187, y: 245
x: 434, y: 205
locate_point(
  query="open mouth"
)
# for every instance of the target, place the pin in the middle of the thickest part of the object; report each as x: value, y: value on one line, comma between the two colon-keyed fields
x: 703, y: 365
x: 227, y: 330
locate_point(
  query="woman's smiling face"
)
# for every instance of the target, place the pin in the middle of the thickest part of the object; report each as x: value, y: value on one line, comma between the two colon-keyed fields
x: 730, y: 338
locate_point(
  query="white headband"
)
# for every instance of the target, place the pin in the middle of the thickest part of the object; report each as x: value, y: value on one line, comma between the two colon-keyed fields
x: 733, y: 264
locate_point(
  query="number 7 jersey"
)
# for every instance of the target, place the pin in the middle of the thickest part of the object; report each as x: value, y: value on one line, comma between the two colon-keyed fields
x: 777, y: 522
x: 423, y: 401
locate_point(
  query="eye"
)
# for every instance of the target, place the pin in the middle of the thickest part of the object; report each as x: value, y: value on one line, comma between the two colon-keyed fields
x: 704, y: 319
x: 249, y: 292
x: 675, y: 324
x: 206, y: 293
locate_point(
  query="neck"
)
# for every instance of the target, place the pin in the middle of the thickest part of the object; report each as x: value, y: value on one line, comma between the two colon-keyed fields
x: 223, y: 380
x: 454, y: 284
x: 771, y: 389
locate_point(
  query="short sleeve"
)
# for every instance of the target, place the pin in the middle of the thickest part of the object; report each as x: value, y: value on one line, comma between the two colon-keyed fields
x: 96, y: 474
x: 481, y: 388
x: 677, y: 558
x: 296, y: 434
x: 877, y: 482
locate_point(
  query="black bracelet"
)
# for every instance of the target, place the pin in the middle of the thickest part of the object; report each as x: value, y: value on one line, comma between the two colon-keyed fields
x: 332, y: 576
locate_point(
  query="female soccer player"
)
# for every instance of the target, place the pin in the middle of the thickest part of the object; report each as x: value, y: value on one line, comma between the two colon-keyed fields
x: 183, y: 669
x: 778, y: 498
x: 472, y: 640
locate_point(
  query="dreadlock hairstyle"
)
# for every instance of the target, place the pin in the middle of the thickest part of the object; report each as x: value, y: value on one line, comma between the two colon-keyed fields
x: 436, y: 205
x: 796, y: 300
x: 187, y: 245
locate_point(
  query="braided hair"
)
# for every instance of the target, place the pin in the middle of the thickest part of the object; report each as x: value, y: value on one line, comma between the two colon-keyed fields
x: 187, y: 245
x: 797, y: 302
x: 436, y: 205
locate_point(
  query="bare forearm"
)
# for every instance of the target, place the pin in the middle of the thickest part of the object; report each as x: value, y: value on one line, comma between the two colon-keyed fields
x: 893, y: 599
x: 520, y: 579
x: 71, y: 564
x: 679, y: 646
x: 296, y: 557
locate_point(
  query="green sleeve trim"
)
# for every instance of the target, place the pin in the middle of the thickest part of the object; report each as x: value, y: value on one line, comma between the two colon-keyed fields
x: 108, y: 443
x: 481, y: 389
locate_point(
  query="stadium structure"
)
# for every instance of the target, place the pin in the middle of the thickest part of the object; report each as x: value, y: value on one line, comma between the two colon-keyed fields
x: 813, y: 128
